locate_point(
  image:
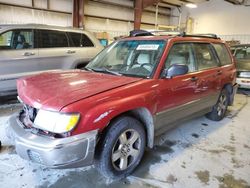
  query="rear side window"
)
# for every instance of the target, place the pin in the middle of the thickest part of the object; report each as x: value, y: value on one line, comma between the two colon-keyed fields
x: 222, y: 53
x: 204, y: 56
x: 86, y: 41
x: 53, y: 39
x: 80, y: 40
x: 181, y: 53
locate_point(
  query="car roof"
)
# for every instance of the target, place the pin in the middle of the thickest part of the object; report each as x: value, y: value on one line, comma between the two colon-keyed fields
x: 38, y: 26
x: 175, y: 38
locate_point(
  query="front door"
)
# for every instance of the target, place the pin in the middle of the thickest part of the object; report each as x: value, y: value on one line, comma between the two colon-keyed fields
x: 54, y: 50
x: 18, y: 56
x: 177, y: 94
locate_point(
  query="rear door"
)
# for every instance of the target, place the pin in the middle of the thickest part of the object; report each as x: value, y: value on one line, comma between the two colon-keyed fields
x: 18, y: 56
x: 226, y: 62
x: 208, y: 75
x: 82, y: 48
x: 54, y: 51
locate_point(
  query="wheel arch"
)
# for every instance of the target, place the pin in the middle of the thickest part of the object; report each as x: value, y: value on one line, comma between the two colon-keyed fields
x: 146, y: 118
x: 143, y: 115
x: 229, y: 89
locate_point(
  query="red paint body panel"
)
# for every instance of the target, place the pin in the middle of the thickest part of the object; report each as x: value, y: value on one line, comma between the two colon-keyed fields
x: 53, y: 91
x: 100, y: 109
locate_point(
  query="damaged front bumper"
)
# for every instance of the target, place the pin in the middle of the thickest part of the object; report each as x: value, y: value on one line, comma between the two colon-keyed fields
x: 69, y: 152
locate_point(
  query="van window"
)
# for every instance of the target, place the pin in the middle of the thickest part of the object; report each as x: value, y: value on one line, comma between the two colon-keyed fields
x: 80, y: 40
x: 181, y: 53
x: 86, y: 41
x: 53, y: 39
x: 204, y: 55
x: 222, y: 53
x: 17, y: 39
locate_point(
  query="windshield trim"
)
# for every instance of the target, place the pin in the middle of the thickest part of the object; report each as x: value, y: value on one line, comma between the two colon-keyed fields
x: 159, y: 59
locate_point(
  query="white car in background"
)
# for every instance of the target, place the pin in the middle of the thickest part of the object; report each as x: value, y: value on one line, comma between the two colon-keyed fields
x: 242, y: 56
x: 31, y: 48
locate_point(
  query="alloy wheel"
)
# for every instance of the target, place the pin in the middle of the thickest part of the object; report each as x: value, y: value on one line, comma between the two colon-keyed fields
x: 126, y: 149
x: 222, y: 105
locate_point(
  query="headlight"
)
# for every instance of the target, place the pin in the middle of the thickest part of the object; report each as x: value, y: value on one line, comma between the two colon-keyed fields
x: 55, y: 122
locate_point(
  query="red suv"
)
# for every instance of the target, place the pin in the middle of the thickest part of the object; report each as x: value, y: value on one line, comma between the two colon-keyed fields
x: 135, y: 89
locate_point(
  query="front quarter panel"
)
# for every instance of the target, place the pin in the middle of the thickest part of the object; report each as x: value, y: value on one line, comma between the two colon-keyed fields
x: 97, y: 111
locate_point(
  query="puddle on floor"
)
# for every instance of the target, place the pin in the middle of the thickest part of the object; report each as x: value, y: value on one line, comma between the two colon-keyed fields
x: 229, y: 181
x: 203, y: 176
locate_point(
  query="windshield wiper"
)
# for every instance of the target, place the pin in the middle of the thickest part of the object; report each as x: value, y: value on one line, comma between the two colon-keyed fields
x: 87, y: 69
x: 134, y: 75
x: 105, y: 70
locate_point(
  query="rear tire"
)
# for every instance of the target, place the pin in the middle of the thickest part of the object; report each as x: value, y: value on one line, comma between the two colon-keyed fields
x: 220, y: 108
x: 121, y: 149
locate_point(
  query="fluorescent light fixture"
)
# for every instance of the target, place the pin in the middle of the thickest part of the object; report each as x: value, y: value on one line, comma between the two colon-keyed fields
x: 191, y: 5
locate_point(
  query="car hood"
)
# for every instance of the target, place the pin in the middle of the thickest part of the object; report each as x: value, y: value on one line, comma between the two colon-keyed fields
x: 243, y: 65
x: 55, y: 90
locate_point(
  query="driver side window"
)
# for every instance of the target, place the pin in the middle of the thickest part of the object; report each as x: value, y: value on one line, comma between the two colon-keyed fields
x: 181, y: 53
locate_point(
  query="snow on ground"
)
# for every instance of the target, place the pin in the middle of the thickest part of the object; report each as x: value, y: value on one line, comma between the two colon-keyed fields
x: 198, y: 153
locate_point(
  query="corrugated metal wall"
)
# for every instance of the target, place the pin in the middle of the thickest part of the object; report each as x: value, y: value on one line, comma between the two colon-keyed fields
x: 95, y: 11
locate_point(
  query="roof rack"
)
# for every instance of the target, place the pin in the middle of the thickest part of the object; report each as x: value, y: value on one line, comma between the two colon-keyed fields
x: 136, y: 33
x: 205, y: 35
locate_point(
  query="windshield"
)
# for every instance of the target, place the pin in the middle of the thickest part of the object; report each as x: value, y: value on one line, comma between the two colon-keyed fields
x: 133, y: 58
x: 242, y: 52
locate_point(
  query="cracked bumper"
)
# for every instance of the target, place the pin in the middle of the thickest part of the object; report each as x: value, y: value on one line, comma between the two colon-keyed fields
x: 73, y: 151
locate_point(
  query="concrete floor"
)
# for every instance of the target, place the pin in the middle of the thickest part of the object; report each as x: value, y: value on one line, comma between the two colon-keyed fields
x: 198, y: 153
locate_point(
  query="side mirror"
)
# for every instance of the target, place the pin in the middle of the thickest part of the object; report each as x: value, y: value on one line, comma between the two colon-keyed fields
x: 175, y: 70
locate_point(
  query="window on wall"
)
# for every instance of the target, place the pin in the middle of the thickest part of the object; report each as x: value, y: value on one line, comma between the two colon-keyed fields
x: 205, y: 57
x: 223, y: 54
x: 53, y: 39
x: 17, y: 39
x: 181, y: 53
x: 80, y: 40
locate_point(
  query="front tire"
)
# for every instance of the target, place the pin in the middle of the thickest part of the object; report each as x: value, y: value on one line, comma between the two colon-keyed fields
x: 219, y: 109
x: 121, y: 149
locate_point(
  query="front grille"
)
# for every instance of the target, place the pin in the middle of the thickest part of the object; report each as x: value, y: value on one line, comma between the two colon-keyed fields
x: 30, y: 112
x: 27, y: 116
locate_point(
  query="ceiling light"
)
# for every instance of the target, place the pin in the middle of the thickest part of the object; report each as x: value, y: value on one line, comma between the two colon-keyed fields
x: 191, y: 5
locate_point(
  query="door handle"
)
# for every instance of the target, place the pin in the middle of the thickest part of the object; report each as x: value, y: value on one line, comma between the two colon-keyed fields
x: 194, y: 78
x: 28, y: 53
x: 71, y: 51
x: 219, y: 72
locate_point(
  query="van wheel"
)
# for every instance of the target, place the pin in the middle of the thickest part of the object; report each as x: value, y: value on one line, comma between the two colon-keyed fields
x: 121, y: 149
x: 219, y: 109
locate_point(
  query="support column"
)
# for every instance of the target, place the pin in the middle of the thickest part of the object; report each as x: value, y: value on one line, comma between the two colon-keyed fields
x: 138, y: 8
x: 78, y: 13
x: 137, y: 14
